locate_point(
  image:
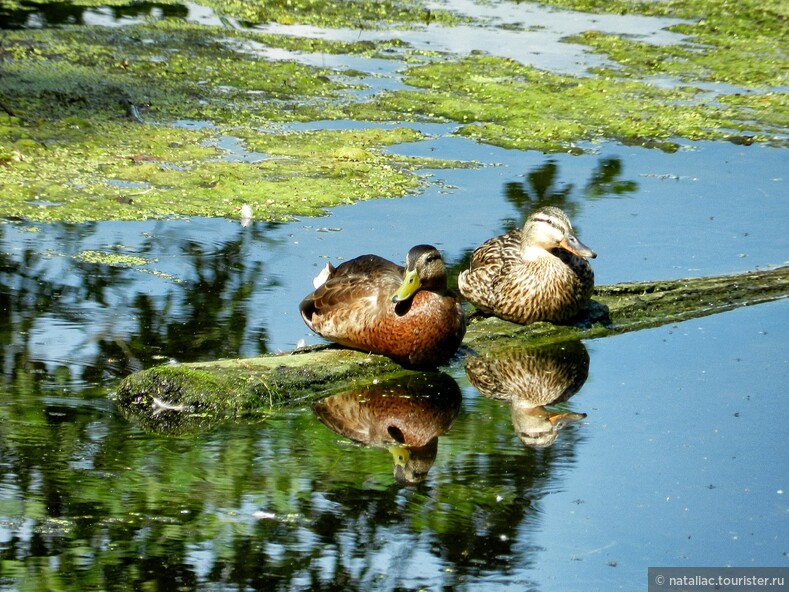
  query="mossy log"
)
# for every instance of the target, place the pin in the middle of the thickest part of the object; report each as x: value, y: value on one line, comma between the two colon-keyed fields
x: 213, y: 391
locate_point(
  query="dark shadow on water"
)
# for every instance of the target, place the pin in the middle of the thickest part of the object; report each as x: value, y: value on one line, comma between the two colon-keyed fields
x: 41, y: 15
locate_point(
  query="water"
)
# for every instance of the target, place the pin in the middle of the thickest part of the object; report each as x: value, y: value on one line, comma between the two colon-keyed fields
x: 680, y: 461
x: 215, y: 288
x: 672, y: 450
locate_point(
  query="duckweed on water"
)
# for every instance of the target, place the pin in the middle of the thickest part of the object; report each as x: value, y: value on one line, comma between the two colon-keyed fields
x: 334, y: 13
x: 111, y: 259
x: 71, y: 100
x: 508, y: 104
x: 307, y: 171
x: 73, y: 139
x: 171, y: 70
x: 742, y: 43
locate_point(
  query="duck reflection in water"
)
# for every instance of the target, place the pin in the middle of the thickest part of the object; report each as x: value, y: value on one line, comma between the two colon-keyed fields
x: 405, y: 415
x: 531, y: 379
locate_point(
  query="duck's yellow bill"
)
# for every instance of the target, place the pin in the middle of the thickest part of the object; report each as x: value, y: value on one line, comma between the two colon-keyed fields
x: 411, y: 283
x: 400, y: 454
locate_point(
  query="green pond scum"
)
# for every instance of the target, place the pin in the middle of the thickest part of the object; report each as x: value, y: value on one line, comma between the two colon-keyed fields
x: 111, y: 259
x: 122, y: 123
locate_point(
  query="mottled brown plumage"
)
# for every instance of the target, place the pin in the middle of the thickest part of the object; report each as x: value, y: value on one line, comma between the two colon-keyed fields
x: 538, y: 273
x: 405, y: 415
x: 530, y: 379
x: 376, y: 306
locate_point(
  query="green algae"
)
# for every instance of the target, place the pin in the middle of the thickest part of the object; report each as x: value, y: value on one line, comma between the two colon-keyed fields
x: 71, y: 148
x: 122, y: 123
x: 111, y: 259
x: 506, y: 103
x: 759, y: 64
x: 742, y: 43
x: 169, y: 70
x: 501, y: 102
x: 174, y: 172
x: 333, y: 13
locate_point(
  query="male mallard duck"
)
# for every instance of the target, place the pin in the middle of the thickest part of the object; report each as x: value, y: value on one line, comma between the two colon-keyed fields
x: 374, y: 305
x: 539, y: 273
x: 405, y: 415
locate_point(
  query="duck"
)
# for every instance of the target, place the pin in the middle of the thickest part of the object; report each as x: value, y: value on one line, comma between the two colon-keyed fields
x: 374, y: 305
x: 405, y: 415
x: 538, y: 273
x: 533, y: 380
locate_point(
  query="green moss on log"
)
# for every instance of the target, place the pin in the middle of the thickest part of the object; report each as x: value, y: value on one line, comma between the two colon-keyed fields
x: 632, y: 306
x: 180, y: 398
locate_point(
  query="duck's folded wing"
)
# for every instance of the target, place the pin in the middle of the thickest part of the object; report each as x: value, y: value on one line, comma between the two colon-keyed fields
x: 360, y: 284
x: 498, y: 251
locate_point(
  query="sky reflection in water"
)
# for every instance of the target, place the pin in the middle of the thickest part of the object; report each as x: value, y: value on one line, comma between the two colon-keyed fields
x: 678, y: 461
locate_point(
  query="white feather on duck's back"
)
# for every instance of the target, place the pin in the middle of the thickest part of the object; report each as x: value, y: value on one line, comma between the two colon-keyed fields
x: 324, y: 275
x: 531, y: 253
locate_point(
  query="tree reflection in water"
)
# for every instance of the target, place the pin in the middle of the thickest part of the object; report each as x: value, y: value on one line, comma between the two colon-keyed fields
x: 202, y: 315
x: 271, y: 506
x: 54, y: 14
x: 543, y: 187
x: 90, y: 501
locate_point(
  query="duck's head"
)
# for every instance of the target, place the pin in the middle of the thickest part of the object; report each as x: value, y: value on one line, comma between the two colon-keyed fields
x: 549, y: 228
x: 424, y: 268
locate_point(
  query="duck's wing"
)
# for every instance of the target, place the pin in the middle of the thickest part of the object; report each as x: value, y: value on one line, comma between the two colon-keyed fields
x: 368, y: 265
x: 498, y: 251
x: 489, y: 262
x: 359, y: 284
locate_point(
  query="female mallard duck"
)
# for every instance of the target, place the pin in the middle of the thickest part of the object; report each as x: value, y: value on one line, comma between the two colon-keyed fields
x: 376, y: 306
x: 539, y: 273
x: 530, y: 379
